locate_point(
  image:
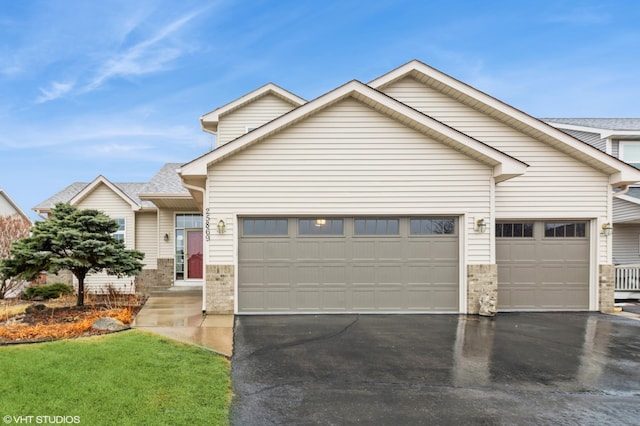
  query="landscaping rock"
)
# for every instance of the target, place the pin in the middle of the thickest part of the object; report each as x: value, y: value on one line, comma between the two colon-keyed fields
x: 35, y: 308
x: 108, y: 324
x: 487, y: 305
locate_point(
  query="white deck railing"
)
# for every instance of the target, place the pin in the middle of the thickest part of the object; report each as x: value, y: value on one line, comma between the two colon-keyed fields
x: 628, y: 278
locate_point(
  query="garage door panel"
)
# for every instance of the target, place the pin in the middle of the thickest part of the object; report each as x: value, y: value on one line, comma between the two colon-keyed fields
x: 348, y: 273
x: 388, y: 250
x: 363, y: 298
x: 277, y: 298
x: 543, y: 272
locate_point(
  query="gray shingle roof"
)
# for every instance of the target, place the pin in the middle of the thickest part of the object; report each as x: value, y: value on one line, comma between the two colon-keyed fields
x: 599, y: 123
x: 166, y: 181
x: 62, y: 196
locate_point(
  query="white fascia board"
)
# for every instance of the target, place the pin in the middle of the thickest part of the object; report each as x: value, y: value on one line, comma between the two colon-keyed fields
x: 626, y: 174
x: 212, y: 118
x: 624, y: 178
x: 421, y: 122
x: 103, y: 180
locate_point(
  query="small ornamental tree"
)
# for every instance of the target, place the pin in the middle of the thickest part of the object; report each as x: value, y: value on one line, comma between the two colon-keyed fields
x: 80, y: 241
x: 12, y: 228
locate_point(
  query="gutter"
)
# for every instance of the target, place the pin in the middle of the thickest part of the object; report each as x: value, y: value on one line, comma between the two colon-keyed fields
x: 623, y: 191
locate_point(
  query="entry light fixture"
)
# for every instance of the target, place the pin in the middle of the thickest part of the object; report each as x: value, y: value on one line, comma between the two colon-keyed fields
x: 166, y: 238
x: 321, y: 222
x: 607, y: 229
x: 222, y: 228
x: 480, y: 226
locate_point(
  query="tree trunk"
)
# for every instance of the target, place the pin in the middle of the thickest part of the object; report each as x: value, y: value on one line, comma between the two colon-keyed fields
x: 80, y: 301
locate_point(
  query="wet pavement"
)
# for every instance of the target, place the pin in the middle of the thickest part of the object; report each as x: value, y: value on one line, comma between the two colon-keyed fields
x: 178, y: 315
x: 516, y: 368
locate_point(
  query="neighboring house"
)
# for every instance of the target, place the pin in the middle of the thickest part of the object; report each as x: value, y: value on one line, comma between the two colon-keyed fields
x: 8, y: 207
x: 412, y: 193
x: 619, y: 137
x: 157, y: 217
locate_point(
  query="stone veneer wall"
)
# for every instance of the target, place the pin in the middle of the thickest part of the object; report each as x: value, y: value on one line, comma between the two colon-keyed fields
x: 606, y: 288
x: 146, y: 280
x: 480, y: 279
x: 219, y: 289
x: 164, y: 278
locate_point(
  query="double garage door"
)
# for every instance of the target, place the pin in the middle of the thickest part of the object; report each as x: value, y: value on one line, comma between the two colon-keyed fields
x: 348, y: 264
x: 543, y: 265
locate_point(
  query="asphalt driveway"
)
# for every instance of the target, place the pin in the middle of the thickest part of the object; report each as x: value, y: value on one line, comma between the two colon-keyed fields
x: 533, y: 368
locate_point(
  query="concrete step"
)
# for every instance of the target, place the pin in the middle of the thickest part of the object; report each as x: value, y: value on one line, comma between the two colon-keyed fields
x: 174, y: 291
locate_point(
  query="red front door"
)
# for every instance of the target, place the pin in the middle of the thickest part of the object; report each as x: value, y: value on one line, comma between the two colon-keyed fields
x: 194, y: 255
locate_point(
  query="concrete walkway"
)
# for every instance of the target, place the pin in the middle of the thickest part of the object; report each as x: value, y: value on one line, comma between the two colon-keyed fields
x: 177, y: 314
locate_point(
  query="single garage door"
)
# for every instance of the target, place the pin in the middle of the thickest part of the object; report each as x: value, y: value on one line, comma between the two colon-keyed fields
x: 543, y: 265
x: 348, y: 264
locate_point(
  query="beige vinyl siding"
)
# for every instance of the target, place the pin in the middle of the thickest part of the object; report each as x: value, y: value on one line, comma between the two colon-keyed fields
x: 254, y: 114
x: 349, y: 160
x: 626, y: 244
x: 624, y: 211
x: 147, y: 238
x: 167, y: 226
x: 555, y: 184
x: 104, y: 199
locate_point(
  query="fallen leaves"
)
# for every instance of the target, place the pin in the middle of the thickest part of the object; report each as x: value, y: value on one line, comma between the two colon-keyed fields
x: 74, y: 324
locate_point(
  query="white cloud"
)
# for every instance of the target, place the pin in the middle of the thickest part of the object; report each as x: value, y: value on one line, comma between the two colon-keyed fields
x: 55, y: 91
x: 146, y: 57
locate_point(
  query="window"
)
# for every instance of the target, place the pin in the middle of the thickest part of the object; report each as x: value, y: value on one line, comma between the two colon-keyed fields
x: 565, y: 229
x: 265, y: 226
x: 119, y: 234
x: 377, y: 226
x: 432, y: 226
x: 188, y: 221
x: 251, y: 128
x: 630, y: 152
x: 320, y: 226
x: 514, y: 230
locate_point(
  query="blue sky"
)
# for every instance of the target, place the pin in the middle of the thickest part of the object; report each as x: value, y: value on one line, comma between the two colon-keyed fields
x: 117, y: 87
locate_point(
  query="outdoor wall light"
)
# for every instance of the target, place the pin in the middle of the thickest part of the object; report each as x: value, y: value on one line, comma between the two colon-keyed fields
x: 321, y: 222
x: 166, y: 238
x: 607, y: 229
x: 481, y: 225
x: 221, y: 227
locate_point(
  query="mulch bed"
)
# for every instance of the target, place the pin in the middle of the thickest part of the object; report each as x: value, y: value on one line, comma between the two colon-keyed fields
x: 62, y: 322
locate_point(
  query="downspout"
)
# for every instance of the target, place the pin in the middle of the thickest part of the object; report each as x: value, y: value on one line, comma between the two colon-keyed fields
x: 204, y: 273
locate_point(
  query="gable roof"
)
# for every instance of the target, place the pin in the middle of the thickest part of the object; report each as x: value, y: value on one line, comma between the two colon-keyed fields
x: 504, y: 166
x: 13, y: 204
x: 619, y: 172
x: 101, y: 180
x: 163, y: 190
x: 72, y: 193
x: 210, y: 120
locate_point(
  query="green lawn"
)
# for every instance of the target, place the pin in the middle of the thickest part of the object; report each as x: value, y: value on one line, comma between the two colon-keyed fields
x: 127, y: 378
